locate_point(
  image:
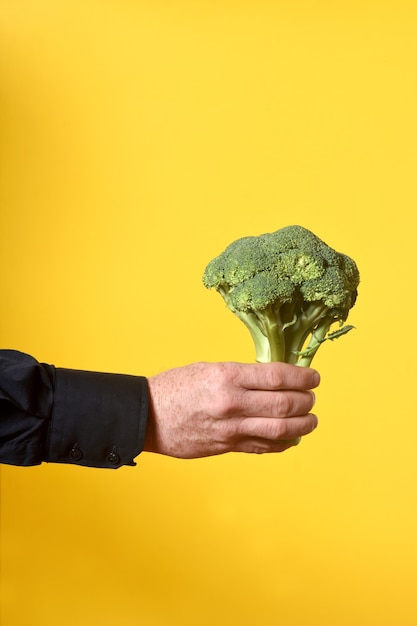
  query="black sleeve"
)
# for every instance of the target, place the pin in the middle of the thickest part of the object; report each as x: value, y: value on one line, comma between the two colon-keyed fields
x: 69, y: 416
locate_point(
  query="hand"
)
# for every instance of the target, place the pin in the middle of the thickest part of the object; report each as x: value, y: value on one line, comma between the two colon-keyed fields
x: 211, y: 408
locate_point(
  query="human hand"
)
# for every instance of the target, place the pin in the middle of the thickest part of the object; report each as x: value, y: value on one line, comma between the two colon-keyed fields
x: 205, y: 409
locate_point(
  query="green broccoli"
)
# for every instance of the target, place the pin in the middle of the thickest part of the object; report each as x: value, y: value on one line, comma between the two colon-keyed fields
x: 288, y: 288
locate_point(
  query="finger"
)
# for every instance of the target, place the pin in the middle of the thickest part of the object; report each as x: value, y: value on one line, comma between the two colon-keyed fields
x: 270, y: 376
x: 264, y: 446
x: 275, y: 403
x: 275, y: 430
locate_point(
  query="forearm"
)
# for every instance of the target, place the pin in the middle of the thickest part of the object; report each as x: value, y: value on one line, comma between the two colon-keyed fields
x: 69, y: 416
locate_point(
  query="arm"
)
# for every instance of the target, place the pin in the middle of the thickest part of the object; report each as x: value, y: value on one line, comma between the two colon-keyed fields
x: 69, y: 416
x: 105, y: 420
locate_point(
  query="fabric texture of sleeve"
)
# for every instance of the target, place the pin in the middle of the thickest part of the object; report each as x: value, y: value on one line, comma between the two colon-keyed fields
x: 69, y: 416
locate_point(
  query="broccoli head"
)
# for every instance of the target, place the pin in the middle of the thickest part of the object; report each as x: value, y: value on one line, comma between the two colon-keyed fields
x: 288, y: 288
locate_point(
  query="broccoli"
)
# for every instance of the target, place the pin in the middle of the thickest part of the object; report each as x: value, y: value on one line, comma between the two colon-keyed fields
x: 288, y: 288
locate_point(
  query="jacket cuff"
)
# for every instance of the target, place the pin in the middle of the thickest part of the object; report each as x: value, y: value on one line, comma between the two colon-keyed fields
x: 98, y: 419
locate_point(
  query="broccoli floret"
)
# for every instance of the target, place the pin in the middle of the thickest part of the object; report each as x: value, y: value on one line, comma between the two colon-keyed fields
x: 288, y: 288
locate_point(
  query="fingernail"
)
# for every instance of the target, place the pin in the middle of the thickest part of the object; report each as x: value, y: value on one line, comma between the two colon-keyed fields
x: 316, y: 379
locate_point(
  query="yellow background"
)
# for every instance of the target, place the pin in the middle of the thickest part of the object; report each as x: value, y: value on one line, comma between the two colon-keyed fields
x: 138, y: 139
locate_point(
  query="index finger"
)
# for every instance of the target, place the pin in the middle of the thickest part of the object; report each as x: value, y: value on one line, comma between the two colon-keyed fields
x: 273, y: 376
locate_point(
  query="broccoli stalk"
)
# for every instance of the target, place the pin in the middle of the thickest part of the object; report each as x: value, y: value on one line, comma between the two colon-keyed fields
x: 288, y: 288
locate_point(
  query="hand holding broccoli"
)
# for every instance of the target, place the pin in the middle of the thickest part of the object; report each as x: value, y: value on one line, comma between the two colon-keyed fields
x: 204, y: 409
x: 288, y: 288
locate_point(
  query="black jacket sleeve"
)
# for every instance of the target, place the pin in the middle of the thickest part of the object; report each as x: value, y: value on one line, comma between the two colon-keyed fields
x: 69, y: 416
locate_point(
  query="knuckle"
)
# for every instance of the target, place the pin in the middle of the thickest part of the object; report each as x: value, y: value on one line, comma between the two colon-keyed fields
x: 218, y: 376
x: 283, y: 404
x: 276, y: 430
x: 224, y: 407
x: 223, y: 371
x: 281, y: 429
x: 225, y: 397
x: 259, y: 448
x: 254, y: 447
x: 276, y: 376
x: 290, y: 403
x: 220, y: 405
